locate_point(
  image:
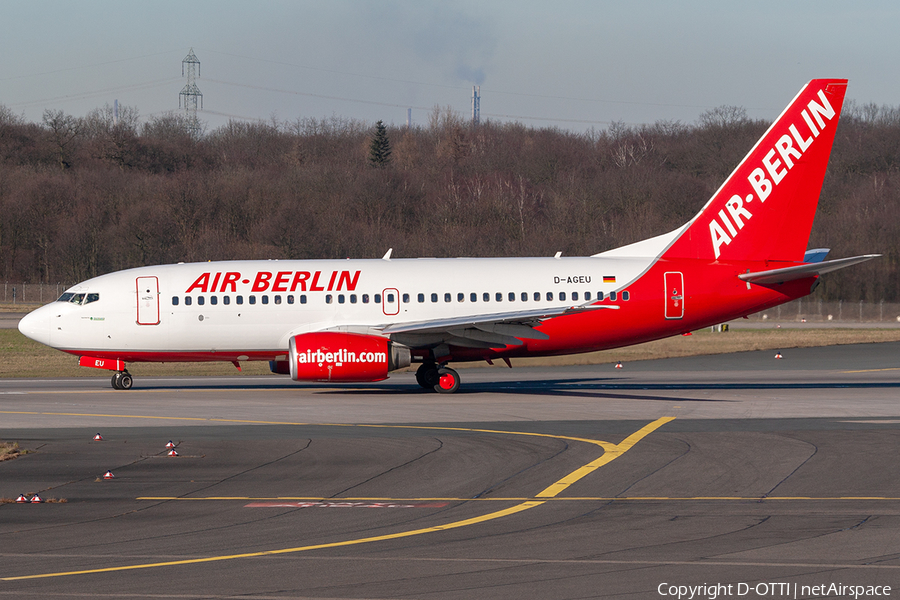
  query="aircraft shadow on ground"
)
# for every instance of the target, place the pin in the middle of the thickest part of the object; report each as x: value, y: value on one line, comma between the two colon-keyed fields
x: 573, y: 387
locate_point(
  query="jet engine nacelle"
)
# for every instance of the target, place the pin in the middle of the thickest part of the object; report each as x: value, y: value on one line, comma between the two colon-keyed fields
x: 344, y: 357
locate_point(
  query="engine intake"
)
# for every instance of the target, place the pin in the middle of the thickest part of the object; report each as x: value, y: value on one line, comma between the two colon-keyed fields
x: 344, y: 357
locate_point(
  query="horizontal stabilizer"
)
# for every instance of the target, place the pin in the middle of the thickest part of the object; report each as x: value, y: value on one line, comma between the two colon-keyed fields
x: 774, y: 276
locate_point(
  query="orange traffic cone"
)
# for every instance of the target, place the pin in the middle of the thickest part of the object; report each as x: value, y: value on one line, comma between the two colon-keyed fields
x: 108, y: 475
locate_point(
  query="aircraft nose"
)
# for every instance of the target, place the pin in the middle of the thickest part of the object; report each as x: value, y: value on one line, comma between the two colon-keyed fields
x: 36, y: 325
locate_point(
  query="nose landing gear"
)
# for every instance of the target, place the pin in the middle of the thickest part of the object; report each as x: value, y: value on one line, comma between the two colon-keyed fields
x: 122, y: 380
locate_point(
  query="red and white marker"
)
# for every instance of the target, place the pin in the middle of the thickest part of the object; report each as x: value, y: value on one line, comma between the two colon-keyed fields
x: 98, y: 438
x: 618, y: 365
x: 21, y: 499
x: 172, y: 452
x: 36, y: 499
x: 170, y: 445
x: 108, y: 475
x: 778, y: 354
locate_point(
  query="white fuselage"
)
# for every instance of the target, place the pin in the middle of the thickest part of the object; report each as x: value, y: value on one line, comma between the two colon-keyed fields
x: 257, y: 306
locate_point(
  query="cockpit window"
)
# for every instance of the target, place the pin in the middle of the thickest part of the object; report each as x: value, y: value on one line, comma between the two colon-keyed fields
x: 79, y: 298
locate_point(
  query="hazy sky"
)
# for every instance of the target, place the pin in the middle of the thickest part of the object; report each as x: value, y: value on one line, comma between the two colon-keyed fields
x: 567, y: 64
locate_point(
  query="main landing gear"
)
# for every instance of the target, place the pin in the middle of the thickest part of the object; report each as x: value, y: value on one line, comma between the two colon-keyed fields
x: 441, y: 379
x: 122, y: 380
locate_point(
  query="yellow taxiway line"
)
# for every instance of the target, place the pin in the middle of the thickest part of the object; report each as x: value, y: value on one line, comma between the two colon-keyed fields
x: 610, y: 452
x: 513, y: 499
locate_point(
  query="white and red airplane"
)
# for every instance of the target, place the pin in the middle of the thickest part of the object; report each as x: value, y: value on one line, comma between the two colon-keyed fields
x: 357, y: 320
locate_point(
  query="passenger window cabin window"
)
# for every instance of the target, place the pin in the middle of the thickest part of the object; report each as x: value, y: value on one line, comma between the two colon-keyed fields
x: 290, y: 299
x: 213, y: 300
x: 187, y: 300
x: 537, y: 296
x: 420, y: 298
x: 434, y: 297
x: 549, y: 296
x: 341, y: 298
x: 405, y: 298
x: 390, y: 298
x: 277, y: 299
x: 612, y: 296
x: 448, y: 297
x: 562, y: 296
x: 574, y: 296
x: 352, y: 298
x: 226, y: 300
x: 626, y: 296
x: 473, y: 297
x: 377, y: 298
x: 599, y: 295
x: 251, y: 299
x: 587, y: 295
x: 328, y: 298
x: 524, y: 296
x: 365, y: 298
x: 238, y: 299
x: 512, y: 296
x: 302, y: 298
x: 174, y: 300
x: 265, y: 299
x: 460, y: 297
x: 498, y: 296
x: 200, y: 300
x: 486, y: 296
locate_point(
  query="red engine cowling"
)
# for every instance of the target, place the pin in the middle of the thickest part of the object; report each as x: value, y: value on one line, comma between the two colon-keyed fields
x: 344, y: 357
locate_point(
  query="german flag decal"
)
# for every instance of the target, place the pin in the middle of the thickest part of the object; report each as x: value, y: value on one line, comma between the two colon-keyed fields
x: 609, y: 279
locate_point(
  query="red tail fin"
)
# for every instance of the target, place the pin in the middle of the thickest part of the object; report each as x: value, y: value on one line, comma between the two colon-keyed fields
x: 765, y: 209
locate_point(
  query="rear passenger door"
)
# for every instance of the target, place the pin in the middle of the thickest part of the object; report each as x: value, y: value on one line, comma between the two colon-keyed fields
x: 674, y: 282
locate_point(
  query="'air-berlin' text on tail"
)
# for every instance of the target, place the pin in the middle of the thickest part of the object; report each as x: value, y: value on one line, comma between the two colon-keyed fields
x: 765, y: 209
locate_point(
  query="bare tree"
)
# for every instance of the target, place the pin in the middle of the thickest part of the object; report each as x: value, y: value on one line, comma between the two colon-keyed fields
x: 63, y: 130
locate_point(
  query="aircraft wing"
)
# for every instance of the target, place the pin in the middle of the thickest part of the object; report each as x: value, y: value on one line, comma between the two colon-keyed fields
x: 775, y: 276
x: 494, y: 330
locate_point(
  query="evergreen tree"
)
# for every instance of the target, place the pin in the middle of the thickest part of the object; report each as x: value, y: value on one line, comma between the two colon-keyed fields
x: 380, y: 149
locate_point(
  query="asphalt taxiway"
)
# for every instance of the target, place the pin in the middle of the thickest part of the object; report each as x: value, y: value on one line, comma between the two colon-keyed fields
x: 571, y: 482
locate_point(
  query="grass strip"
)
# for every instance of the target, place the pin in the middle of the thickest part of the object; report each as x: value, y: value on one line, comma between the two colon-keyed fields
x: 25, y: 358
